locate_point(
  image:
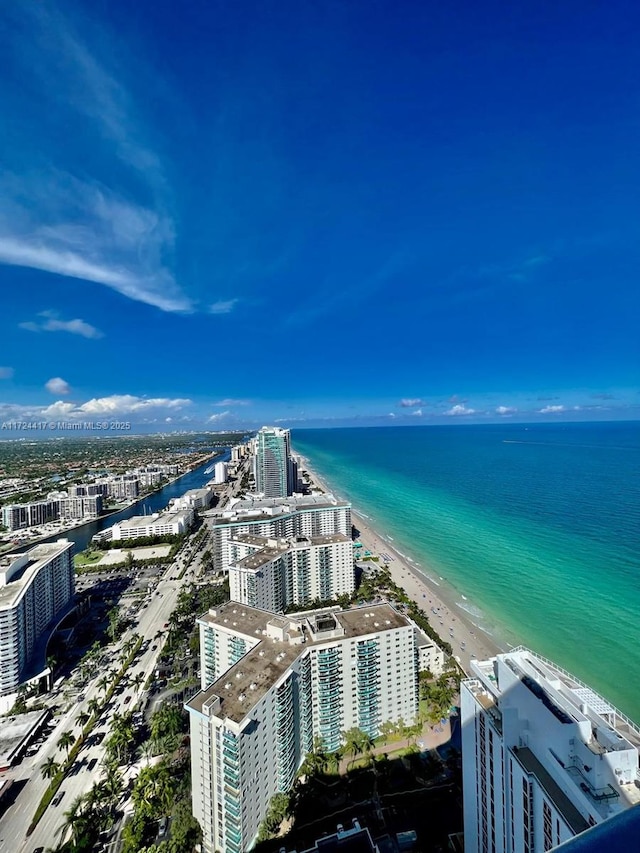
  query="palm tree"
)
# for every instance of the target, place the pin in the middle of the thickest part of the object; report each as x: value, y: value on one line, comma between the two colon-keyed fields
x: 94, y: 707
x: 66, y: 741
x: 352, y: 741
x: 50, y: 768
x: 103, y: 684
x: 138, y: 679
x: 77, y: 819
x: 83, y: 718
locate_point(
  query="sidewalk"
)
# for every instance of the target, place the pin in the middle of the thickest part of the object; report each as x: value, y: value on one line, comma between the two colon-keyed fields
x: 429, y: 738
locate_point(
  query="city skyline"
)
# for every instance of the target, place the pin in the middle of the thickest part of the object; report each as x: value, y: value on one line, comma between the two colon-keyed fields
x: 426, y: 217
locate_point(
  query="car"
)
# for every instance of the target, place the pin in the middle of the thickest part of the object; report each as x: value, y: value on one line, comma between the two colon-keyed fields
x: 92, y: 764
x: 58, y: 797
x: 162, y: 826
x: 39, y: 850
x: 127, y: 700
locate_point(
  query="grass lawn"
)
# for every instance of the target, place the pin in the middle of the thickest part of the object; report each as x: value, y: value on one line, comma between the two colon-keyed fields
x: 87, y: 559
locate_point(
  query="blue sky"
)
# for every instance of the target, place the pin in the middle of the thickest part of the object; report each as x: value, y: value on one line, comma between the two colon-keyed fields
x: 325, y: 212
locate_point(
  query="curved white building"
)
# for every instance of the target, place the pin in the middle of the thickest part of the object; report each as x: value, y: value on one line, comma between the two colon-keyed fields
x: 36, y: 588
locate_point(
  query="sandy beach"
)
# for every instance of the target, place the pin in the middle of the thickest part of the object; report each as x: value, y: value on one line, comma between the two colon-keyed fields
x: 447, y: 618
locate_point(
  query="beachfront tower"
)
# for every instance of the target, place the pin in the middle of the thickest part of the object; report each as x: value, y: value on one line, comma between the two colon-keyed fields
x: 270, y: 685
x: 279, y: 573
x: 544, y: 757
x: 274, y: 468
x: 37, y: 589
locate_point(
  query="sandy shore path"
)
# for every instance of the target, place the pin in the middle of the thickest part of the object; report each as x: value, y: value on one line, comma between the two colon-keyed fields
x: 447, y: 618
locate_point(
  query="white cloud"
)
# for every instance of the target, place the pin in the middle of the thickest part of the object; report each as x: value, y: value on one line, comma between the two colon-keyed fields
x: 6, y: 372
x: 57, y: 386
x: 223, y: 306
x: 459, y: 409
x: 506, y: 410
x: 218, y: 417
x: 410, y: 402
x: 115, y: 406
x: 229, y: 401
x: 551, y: 410
x: 60, y: 409
x: 51, y: 323
x: 121, y: 244
x: 121, y: 404
x: 391, y: 415
x: 417, y: 413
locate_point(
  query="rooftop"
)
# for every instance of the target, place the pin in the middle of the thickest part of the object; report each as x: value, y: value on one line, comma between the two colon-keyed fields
x: 156, y: 518
x: 560, y: 800
x: 15, y: 730
x: 564, y: 695
x: 256, y: 508
x: 270, y: 548
x: 17, y: 571
x: 245, y: 683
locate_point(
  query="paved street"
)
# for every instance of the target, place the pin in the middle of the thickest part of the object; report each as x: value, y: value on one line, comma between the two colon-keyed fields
x: 15, y: 821
x: 148, y: 621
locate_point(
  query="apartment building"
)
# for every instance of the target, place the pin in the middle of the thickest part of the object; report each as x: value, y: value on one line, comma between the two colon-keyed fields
x: 275, y: 574
x: 274, y: 471
x: 544, y: 756
x: 270, y: 685
x: 173, y: 523
x: 35, y: 590
x: 302, y: 515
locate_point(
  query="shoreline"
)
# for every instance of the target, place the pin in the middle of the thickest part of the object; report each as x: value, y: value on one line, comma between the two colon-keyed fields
x: 427, y: 593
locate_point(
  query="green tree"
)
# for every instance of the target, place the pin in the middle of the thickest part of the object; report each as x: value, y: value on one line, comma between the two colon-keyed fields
x: 50, y: 768
x: 66, y: 741
x: 83, y: 718
x: 115, y: 623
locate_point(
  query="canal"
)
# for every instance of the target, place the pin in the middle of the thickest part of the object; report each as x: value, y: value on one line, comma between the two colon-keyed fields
x: 155, y: 502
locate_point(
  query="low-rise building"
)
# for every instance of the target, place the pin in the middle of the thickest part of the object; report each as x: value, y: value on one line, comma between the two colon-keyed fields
x: 159, y: 524
x: 430, y: 655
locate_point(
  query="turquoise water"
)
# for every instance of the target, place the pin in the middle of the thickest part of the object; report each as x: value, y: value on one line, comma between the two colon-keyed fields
x: 536, y: 528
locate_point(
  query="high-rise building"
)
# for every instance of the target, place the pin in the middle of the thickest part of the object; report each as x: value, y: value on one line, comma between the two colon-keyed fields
x: 276, y: 574
x: 221, y: 473
x: 273, y: 463
x: 35, y: 590
x: 544, y: 756
x: 270, y: 685
x: 308, y: 515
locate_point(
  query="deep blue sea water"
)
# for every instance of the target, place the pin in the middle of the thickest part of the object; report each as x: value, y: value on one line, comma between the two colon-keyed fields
x: 537, y: 526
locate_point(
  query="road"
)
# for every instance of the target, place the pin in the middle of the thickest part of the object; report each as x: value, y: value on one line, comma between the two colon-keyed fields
x: 149, y: 620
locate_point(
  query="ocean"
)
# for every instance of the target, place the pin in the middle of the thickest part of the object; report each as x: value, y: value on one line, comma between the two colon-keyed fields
x: 535, y: 529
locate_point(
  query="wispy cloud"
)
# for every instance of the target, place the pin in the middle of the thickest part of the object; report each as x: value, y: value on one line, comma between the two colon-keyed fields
x: 417, y: 413
x: 410, y: 402
x: 229, y: 401
x: 506, y: 410
x: 550, y: 410
x: 6, y: 372
x: 123, y: 243
x: 57, y: 386
x: 52, y: 323
x: 223, y: 306
x: 219, y: 416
